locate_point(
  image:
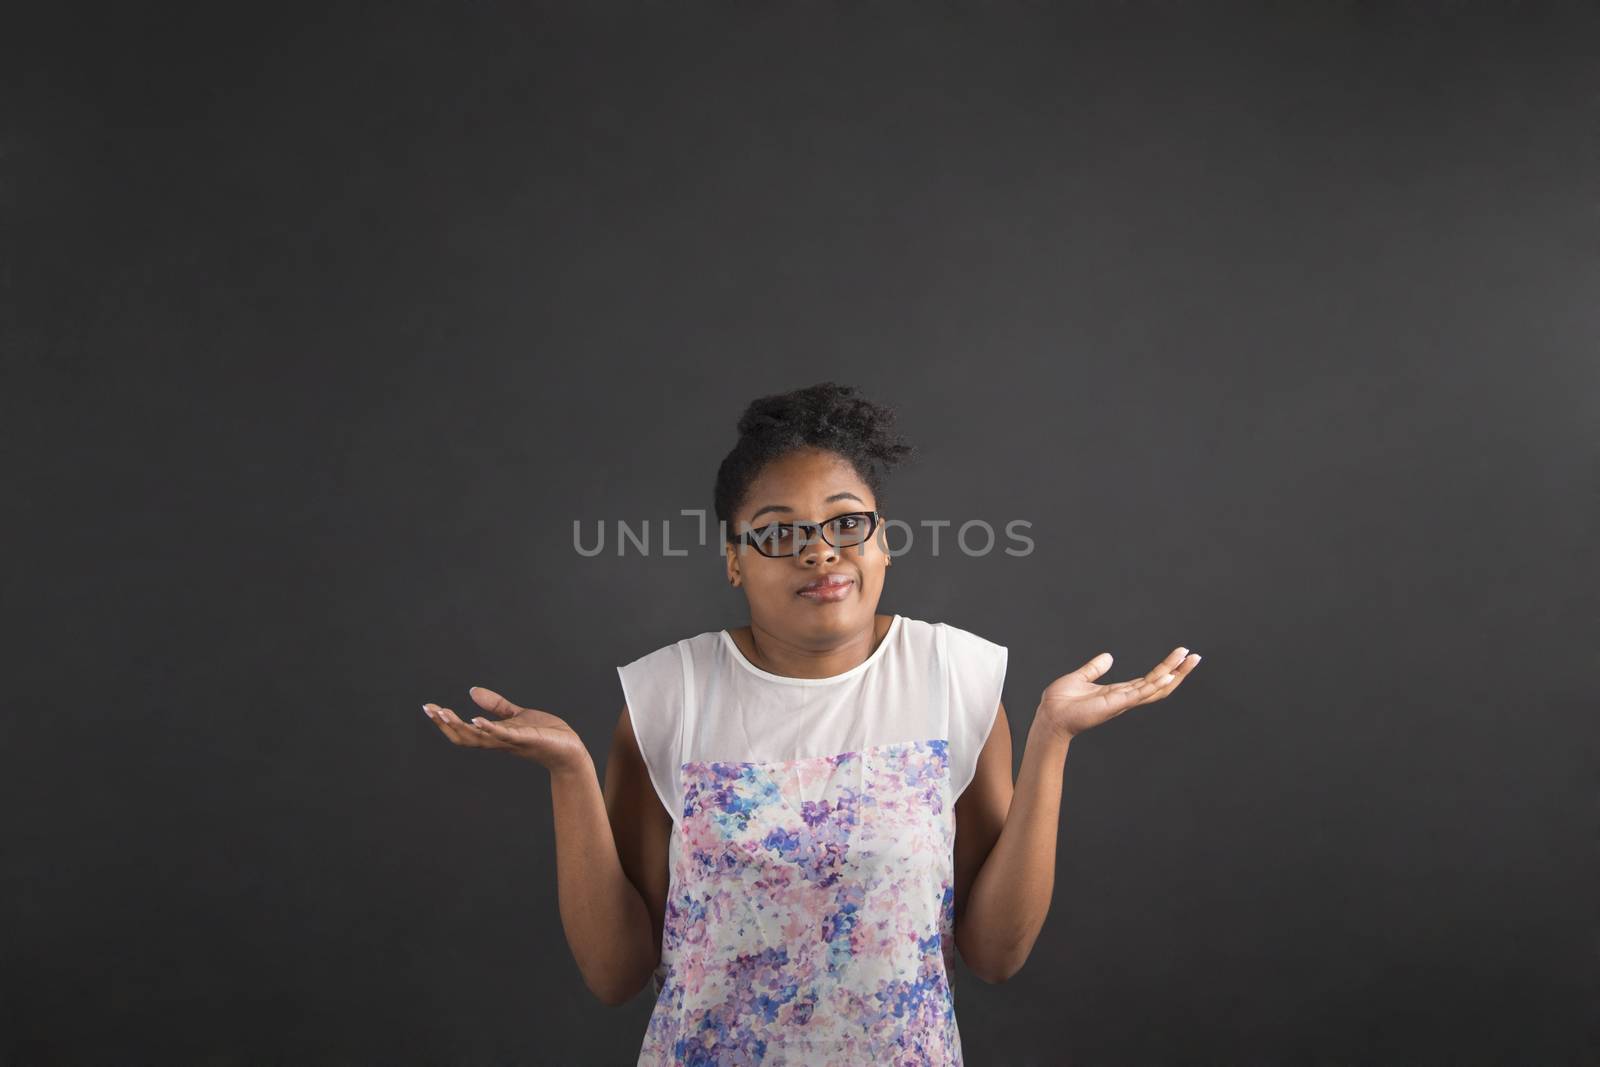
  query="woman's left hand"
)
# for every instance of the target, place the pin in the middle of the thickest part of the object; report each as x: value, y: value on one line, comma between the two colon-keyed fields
x: 1073, y: 703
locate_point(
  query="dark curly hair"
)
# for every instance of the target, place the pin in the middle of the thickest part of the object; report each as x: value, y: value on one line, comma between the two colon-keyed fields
x: 826, y: 415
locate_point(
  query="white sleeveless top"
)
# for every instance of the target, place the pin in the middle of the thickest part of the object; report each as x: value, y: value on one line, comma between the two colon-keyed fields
x: 810, y: 915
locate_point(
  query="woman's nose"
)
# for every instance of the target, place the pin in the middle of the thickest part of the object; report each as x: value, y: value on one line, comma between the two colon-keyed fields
x: 819, y: 550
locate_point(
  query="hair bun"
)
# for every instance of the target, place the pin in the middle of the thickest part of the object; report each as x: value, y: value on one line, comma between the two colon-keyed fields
x: 827, y: 415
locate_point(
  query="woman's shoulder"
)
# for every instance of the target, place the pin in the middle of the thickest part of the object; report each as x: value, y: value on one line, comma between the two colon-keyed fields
x: 943, y: 631
x: 918, y: 630
x: 668, y: 652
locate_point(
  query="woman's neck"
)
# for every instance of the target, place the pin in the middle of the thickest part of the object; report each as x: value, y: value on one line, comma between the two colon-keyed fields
x: 773, y: 654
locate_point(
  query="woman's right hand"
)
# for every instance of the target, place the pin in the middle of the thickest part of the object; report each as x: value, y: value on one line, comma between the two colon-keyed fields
x: 526, y: 732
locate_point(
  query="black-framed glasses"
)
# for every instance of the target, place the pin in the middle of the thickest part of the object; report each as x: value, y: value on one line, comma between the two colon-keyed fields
x: 789, y: 538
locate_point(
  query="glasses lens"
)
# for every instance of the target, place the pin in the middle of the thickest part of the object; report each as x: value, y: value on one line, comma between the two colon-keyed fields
x: 777, y: 539
x: 850, y: 529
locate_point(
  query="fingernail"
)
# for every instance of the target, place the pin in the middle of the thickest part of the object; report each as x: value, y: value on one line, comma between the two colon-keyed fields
x: 427, y: 711
x: 1197, y: 657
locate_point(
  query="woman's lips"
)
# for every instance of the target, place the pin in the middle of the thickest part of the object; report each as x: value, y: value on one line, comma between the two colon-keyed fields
x: 833, y: 591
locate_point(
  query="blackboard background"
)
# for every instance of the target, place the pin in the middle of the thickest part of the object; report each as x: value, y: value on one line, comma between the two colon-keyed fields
x: 322, y: 326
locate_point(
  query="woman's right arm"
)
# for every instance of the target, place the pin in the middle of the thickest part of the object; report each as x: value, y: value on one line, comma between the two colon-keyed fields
x: 611, y: 867
x: 611, y: 847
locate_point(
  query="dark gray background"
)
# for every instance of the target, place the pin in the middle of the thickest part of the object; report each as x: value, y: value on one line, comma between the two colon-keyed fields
x: 1278, y: 322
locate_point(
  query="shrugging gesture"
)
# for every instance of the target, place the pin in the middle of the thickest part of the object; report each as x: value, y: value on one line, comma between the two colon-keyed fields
x: 527, y: 732
x: 1075, y: 702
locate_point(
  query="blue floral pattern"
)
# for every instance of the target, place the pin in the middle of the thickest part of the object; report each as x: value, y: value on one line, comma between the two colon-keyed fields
x: 810, y: 918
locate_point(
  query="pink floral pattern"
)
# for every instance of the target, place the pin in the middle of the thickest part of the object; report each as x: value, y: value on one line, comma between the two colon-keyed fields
x: 810, y: 919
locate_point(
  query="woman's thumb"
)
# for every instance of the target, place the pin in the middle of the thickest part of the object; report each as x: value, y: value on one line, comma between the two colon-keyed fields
x: 489, y: 700
x: 1096, y: 667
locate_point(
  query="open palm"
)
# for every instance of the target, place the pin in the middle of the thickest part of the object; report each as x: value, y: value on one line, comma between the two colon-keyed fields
x: 1076, y: 702
x: 526, y: 732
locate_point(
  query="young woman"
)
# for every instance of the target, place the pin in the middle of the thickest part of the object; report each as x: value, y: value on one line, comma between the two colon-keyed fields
x: 803, y: 819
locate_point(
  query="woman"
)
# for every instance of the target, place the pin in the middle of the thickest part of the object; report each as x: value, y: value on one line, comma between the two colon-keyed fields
x: 804, y: 818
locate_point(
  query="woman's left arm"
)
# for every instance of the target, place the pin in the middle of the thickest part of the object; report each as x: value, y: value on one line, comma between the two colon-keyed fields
x: 1005, y: 906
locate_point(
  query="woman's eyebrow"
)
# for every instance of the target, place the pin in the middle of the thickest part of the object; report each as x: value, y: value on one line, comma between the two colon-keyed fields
x: 785, y: 507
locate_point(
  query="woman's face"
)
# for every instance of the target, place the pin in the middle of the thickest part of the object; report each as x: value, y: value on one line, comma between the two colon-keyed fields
x: 811, y: 485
